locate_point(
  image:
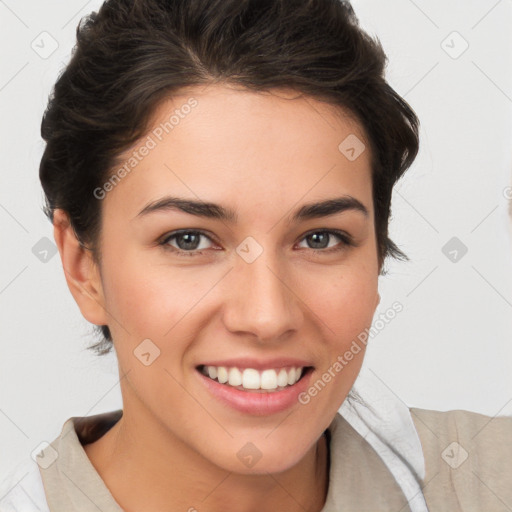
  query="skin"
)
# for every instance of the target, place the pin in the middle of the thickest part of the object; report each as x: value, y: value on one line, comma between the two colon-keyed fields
x: 263, y: 155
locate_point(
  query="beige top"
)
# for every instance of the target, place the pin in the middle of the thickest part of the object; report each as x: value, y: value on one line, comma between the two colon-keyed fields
x: 468, y: 462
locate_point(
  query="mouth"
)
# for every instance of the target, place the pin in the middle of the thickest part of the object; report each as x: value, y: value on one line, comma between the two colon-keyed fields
x: 271, y: 380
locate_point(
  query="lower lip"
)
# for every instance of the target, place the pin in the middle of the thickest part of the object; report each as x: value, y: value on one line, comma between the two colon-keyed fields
x: 259, y: 404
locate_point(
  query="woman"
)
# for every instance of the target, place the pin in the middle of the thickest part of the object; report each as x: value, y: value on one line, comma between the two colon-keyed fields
x: 219, y: 177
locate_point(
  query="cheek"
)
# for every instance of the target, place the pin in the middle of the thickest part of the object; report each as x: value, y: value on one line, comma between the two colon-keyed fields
x: 343, y: 305
x: 148, y: 299
x: 151, y: 302
x: 345, y: 300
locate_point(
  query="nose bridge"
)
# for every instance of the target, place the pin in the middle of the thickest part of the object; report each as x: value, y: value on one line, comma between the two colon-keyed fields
x: 262, y: 302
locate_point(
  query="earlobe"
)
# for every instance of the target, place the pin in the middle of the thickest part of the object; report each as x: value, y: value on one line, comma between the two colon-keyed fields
x: 81, y: 273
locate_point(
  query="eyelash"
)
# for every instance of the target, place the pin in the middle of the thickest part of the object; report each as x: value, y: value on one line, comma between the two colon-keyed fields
x: 346, y: 241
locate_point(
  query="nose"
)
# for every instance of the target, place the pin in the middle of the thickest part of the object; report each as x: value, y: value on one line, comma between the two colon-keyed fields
x: 262, y: 300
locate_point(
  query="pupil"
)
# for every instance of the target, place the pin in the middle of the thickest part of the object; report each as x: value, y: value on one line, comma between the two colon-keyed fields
x: 189, y: 244
x: 316, y: 236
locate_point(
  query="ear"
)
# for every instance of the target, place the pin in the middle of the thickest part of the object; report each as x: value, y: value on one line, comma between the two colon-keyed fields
x: 81, y: 272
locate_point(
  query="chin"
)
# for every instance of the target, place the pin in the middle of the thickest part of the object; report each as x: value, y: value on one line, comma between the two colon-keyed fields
x: 253, y: 459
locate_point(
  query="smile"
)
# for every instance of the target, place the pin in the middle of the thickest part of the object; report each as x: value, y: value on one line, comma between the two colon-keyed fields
x: 252, y: 379
x: 255, y: 386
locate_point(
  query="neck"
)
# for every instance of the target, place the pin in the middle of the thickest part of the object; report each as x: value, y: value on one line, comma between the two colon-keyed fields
x: 146, y: 468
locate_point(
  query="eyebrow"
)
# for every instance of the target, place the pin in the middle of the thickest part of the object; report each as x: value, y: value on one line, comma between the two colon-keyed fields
x: 313, y: 210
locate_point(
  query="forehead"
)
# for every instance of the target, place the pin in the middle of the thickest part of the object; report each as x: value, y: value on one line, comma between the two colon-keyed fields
x: 219, y: 142
x: 261, y: 114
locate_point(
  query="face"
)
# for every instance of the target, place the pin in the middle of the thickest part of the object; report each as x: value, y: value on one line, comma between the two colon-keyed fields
x: 247, y: 284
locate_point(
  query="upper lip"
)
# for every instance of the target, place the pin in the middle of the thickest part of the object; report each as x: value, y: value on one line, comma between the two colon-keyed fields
x: 258, y: 364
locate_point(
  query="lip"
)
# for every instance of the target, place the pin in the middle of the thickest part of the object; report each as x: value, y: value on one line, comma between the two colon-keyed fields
x: 254, y: 402
x: 258, y: 364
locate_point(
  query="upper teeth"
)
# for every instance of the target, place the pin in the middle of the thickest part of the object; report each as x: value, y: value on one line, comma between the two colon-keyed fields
x: 250, y: 378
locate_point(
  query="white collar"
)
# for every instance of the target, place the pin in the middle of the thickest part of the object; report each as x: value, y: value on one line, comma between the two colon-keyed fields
x: 378, y: 415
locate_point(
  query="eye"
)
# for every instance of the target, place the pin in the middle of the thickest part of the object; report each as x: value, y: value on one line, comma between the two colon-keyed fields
x: 187, y: 241
x: 319, y: 239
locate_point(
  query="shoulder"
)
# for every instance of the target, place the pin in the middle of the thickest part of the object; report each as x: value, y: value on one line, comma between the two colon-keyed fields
x: 460, y: 418
x: 481, y: 433
x: 467, y: 455
x: 22, y: 489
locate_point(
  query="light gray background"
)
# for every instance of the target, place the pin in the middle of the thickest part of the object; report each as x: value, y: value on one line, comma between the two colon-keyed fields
x: 450, y: 348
